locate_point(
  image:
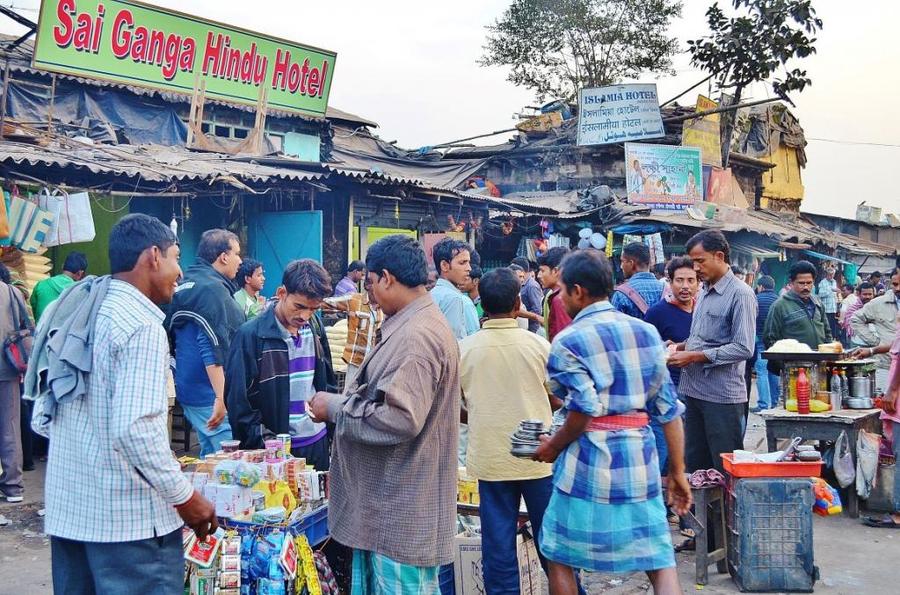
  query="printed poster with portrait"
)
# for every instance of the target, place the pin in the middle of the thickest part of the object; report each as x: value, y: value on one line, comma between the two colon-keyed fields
x: 663, y: 177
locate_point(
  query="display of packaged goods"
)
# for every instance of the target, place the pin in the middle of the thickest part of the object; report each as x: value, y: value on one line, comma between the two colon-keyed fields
x: 203, y: 553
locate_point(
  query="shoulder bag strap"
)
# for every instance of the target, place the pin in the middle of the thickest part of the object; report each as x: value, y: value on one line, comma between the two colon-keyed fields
x: 20, y: 314
x: 16, y: 315
x: 634, y: 296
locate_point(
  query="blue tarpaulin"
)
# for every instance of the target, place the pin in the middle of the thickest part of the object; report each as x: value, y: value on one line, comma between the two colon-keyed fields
x: 641, y: 228
x: 821, y: 256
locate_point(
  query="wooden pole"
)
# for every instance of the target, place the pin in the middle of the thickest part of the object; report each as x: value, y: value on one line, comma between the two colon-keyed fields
x: 719, y: 110
x: 3, y: 99
x: 688, y: 90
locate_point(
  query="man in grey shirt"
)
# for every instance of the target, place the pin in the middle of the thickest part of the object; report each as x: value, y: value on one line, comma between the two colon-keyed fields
x: 393, y: 466
x: 713, y: 358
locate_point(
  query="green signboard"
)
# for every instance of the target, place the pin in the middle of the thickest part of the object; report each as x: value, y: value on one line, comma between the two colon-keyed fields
x: 138, y: 44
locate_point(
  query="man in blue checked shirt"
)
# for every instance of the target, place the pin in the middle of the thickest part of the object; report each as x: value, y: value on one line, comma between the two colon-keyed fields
x: 642, y: 290
x: 610, y: 371
x: 116, y: 497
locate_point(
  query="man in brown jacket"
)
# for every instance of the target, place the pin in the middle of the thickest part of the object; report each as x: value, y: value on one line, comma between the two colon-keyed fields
x: 393, y: 467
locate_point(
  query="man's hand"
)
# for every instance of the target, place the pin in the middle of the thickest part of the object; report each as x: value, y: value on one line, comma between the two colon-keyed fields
x: 680, y: 497
x: 318, y: 407
x: 889, y: 402
x: 546, y: 452
x: 218, y: 415
x: 681, y: 359
x: 199, y: 514
x: 861, y: 353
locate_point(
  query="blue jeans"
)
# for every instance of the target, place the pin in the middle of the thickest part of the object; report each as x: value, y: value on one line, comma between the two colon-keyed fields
x: 153, y: 566
x: 210, y: 440
x: 768, y: 386
x: 499, y: 512
x: 895, y: 444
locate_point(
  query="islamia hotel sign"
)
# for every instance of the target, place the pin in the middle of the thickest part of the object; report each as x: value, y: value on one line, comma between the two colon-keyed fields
x: 139, y: 44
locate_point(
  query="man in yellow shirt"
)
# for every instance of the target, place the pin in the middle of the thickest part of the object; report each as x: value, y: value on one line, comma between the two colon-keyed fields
x: 503, y: 371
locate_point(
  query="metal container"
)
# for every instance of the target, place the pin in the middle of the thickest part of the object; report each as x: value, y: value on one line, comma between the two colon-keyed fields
x: 861, y: 387
x: 858, y: 403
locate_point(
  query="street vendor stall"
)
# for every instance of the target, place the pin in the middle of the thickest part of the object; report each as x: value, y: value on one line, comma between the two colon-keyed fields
x: 827, y: 426
x: 823, y: 394
x: 272, y: 510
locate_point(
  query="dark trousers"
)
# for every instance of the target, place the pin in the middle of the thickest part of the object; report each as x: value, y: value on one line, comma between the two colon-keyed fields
x: 499, y: 511
x: 26, y: 408
x: 148, y: 566
x: 317, y: 454
x: 710, y: 430
x: 835, y: 329
x: 10, y: 440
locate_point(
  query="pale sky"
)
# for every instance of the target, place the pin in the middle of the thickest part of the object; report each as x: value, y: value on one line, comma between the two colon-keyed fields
x: 412, y: 67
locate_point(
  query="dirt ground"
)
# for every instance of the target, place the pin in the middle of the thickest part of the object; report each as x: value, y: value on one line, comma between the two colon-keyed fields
x: 852, y: 559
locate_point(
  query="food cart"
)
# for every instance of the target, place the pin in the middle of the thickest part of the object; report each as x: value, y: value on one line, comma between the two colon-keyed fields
x: 846, y: 386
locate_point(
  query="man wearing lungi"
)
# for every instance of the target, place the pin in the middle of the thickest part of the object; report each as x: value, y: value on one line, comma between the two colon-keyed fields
x: 606, y: 513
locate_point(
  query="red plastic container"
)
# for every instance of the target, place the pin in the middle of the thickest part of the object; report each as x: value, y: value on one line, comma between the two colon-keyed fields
x: 787, y: 469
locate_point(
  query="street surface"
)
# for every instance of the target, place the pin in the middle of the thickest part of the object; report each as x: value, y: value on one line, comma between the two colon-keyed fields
x: 852, y: 559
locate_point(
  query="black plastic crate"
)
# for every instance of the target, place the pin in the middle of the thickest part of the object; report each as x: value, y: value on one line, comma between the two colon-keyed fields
x: 770, y: 534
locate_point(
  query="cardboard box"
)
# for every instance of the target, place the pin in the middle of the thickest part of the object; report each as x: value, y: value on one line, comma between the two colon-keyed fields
x: 468, y: 570
x: 230, y: 500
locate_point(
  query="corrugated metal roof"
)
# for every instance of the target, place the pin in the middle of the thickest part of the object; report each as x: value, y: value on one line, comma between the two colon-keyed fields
x: 153, y: 163
x: 781, y: 228
x: 512, y: 203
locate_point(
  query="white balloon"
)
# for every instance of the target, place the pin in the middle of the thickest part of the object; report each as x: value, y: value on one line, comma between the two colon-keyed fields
x: 585, y: 233
x: 598, y: 241
x: 584, y: 243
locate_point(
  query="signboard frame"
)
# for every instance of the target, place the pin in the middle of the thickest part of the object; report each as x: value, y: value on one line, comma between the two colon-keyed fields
x: 704, y: 133
x: 46, y: 56
x: 619, y: 113
x: 657, y: 163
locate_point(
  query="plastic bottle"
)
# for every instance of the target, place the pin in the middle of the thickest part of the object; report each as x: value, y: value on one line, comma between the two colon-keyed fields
x: 845, y: 385
x: 792, y: 384
x: 802, y: 392
x: 836, y: 395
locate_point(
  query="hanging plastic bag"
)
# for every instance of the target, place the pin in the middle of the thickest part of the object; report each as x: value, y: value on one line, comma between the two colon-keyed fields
x: 51, y: 202
x: 75, y: 222
x: 4, y: 218
x: 29, y: 224
x: 21, y: 214
x: 866, y: 463
x: 843, y: 461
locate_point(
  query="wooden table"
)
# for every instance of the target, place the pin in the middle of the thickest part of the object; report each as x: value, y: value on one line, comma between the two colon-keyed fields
x: 824, y: 426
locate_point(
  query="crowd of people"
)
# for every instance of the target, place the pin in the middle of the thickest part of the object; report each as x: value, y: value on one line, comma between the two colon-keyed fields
x: 642, y: 382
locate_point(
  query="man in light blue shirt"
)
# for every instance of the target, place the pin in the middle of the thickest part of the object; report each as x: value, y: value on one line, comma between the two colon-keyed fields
x: 453, y: 262
x: 116, y: 497
x: 828, y: 292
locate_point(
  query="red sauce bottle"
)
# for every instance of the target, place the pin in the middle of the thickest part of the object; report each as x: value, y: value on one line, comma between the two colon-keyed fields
x: 802, y: 392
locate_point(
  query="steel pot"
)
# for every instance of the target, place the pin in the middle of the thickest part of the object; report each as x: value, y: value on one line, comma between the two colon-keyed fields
x: 861, y: 387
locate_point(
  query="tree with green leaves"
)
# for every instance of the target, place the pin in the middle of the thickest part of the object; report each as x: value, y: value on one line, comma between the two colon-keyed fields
x: 556, y: 47
x: 755, y: 46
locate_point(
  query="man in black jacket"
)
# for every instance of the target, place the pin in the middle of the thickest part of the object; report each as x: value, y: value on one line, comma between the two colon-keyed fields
x: 277, y: 362
x: 202, y: 319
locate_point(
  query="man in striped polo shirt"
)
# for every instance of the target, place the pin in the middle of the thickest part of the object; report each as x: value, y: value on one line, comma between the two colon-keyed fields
x: 277, y: 362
